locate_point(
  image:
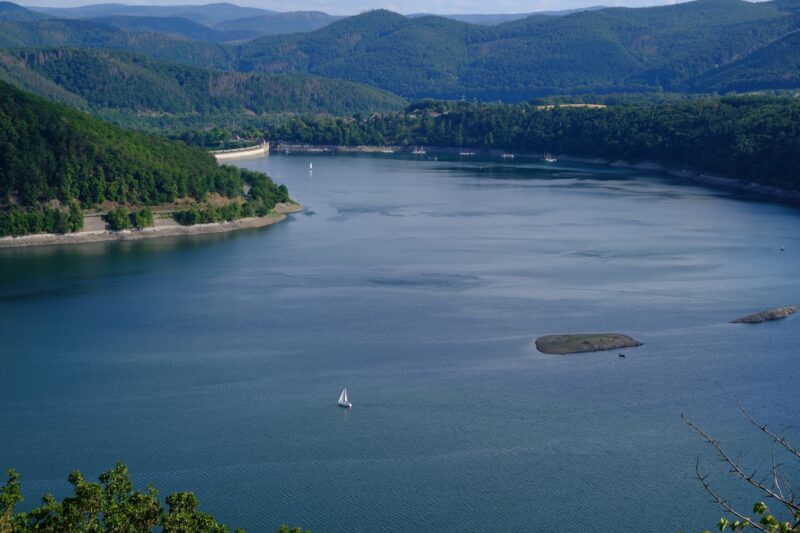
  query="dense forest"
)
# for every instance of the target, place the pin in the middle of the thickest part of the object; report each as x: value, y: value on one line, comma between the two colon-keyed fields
x: 701, y: 46
x: 670, y: 48
x: 109, y: 505
x: 752, y: 138
x: 53, y: 158
x: 102, y: 80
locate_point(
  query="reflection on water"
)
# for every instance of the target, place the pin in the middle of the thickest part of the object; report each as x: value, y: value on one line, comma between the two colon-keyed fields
x: 213, y: 363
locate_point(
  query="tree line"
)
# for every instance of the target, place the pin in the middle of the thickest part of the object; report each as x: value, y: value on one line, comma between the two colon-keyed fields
x: 755, y: 138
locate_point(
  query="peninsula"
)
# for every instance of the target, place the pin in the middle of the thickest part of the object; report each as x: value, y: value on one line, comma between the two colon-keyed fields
x: 74, y: 178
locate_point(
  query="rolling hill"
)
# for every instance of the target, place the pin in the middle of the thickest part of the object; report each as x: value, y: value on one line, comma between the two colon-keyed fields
x: 175, y: 26
x: 606, y: 50
x: 700, y: 46
x: 88, y: 34
x: 776, y: 66
x: 135, y: 83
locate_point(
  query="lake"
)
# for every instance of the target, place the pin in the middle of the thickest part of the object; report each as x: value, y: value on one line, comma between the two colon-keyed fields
x: 213, y: 363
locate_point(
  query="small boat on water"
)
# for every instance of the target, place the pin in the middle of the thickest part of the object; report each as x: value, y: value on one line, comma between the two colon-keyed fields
x: 343, y: 400
x: 311, y: 166
x: 466, y: 153
x: 419, y: 150
x: 548, y: 158
x: 507, y: 156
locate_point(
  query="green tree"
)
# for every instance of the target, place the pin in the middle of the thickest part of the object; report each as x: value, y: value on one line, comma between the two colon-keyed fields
x: 118, y: 219
x: 109, y: 506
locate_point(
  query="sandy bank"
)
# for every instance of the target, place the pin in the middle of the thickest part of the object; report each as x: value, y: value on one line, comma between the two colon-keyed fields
x: 163, y: 228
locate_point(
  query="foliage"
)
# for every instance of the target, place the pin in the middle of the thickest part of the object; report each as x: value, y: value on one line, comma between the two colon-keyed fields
x: 753, y: 138
x: 49, y: 153
x: 698, y: 46
x: 118, y: 219
x: 84, y: 33
x: 262, y: 197
x: 112, y: 505
x: 133, y: 83
x: 21, y: 221
x: 143, y: 218
x: 666, y: 48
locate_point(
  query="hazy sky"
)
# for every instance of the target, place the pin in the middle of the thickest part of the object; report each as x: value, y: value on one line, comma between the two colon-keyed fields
x: 350, y: 7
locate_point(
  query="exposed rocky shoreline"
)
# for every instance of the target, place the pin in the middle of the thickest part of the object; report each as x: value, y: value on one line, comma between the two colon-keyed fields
x: 775, y: 313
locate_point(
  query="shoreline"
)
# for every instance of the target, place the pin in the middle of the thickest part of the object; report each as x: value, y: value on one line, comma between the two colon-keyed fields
x: 154, y: 232
x: 749, y: 188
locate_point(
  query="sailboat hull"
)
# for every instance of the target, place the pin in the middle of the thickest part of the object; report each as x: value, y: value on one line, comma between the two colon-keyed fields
x: 346, y: 405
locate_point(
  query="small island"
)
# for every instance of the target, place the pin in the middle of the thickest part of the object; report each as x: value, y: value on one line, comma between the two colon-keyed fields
x: 584, y: 342
x: 770, y: 314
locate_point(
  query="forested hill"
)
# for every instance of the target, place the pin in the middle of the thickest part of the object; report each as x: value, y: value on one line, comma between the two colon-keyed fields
x: 699, y: 46
x: 135, y: 83
x: 52, y: 156
x: 756, y: 139
x: 608, y: 50
x: 88, y: 34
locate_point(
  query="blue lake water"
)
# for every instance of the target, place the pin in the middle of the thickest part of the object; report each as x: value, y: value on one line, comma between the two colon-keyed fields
x: 213, y: 363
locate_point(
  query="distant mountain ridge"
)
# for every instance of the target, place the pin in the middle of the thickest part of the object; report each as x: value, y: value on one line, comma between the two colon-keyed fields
x: 699, y: 46
x: 207, y: 15
x: 492, y: 19
x: 222, y: 22
x: 608, y: 50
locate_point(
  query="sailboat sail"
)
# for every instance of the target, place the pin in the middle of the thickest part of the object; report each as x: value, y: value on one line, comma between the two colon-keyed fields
x: 343, y: 399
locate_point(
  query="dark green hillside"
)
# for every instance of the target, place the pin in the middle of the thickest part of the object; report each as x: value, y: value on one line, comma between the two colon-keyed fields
x: 135, y: 83
x: 87, y: 34
x: 684, y: 47
x: 53, y: 156
x: 177, y: 26
x: 606, y: 50
x: 776, y: 66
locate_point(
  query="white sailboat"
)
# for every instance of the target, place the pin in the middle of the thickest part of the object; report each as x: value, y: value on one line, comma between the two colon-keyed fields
x: 311, y: 166
x: 343, y: 400
x: 548, y: 158
x: 418, y: 150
